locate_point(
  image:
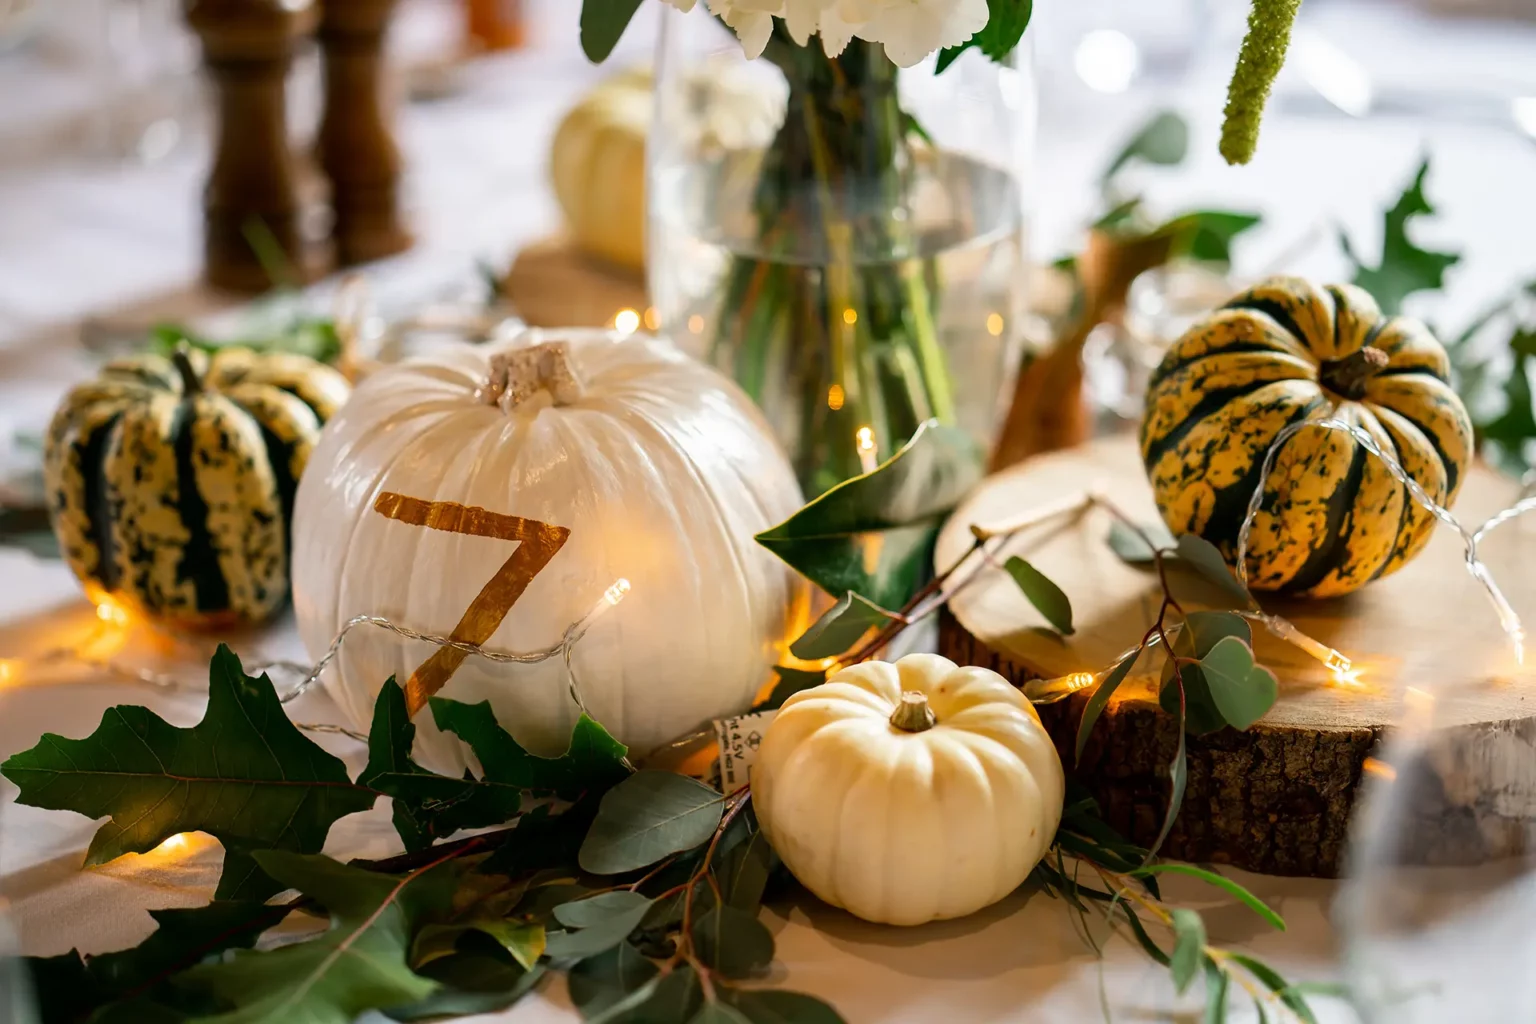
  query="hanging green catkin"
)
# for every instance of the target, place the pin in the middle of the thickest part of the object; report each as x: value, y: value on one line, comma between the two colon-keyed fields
x: 1259, y: 61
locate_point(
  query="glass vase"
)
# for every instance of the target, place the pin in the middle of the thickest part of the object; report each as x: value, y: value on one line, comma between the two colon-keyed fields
x: 846, y: 239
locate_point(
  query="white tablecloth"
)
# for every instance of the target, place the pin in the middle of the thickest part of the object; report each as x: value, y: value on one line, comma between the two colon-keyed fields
x: 81, y: 237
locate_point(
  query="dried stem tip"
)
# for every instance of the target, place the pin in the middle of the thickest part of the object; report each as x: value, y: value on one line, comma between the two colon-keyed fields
x: 1258, y: 62
x: 913, y: 713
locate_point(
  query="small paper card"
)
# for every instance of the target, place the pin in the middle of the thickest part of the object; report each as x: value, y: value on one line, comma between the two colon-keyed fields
x: 739, y: 739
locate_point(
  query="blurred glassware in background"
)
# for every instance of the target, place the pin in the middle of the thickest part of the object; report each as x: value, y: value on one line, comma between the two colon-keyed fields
x: 149, y: 79
x: 18, y: 20
x: 1108, y: 46
x: 852, y: 254
x: 1438, y: 909
x: 1161, y: 304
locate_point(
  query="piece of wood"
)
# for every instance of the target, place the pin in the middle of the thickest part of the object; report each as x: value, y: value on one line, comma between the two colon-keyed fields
x: 356, y: 142
x: 1278, y: 797
x: 252, y: 196
x: 553, y: 284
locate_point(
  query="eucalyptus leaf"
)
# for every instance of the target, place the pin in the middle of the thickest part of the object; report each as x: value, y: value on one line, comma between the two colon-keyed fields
x: 1164, y: 141
x: 477, y: 979
x: 599, y: 982
x: 720, y: 1013
x: 1206, y: 235
x: 602, y: 23
x: 1048, y: 598
x: 1201, y: 632
x: 1178, y: 778
x: 776, y: 1006
x: 1243, y: 691
x: 1132, y: 548
x: 1188, y: 946
x: 1099, y: 700
x: 525, y: 943
x: 648, y: 816
x: 874, y: 534
x: 744, y: 872
x: 245, y: 775
x: 791, y: 681
x: 1201, y: 555
x: 840, y: 628
x: 603, y: 921
x: 733, y: 942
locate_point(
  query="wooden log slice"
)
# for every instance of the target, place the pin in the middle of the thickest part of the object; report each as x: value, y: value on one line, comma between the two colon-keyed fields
x: 1277, y: 798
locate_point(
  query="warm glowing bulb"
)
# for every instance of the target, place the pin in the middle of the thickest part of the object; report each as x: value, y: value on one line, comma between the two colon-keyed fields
x: 994, y: 324
x: 696, y: 324
x: 615, y: 594
x: 626, y: 321
x: 835, y: 397
x: 1380, y: 769
x: 850, y: 316
x: 866, y: 439
x: 175, y: 844
x: 1078, y: 680
x: 1347, y: 677
x: 652, y: 321
x: 10, y: 671
x: 109, y: 611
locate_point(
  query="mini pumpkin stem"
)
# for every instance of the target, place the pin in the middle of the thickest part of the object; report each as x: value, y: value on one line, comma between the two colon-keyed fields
x: 913, y: 713
x: 181, y: 358
x: 1347, y: 376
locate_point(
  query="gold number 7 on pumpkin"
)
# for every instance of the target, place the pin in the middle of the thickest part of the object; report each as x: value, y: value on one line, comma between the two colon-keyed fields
x: 537, y: 544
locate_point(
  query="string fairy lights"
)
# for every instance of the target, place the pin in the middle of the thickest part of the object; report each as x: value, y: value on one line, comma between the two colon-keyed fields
x: 112, y: 617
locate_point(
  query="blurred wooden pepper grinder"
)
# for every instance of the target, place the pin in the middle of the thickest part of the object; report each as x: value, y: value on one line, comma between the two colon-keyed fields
x: 251, y: 202
x: 494, y: 24
x: 356, y: 146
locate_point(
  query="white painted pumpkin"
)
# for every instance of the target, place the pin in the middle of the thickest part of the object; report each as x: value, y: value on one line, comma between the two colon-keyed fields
x: 660, y: 468
x: 909, y: 792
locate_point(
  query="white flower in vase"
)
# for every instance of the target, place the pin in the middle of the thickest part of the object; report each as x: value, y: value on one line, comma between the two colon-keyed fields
x: 912, y: 29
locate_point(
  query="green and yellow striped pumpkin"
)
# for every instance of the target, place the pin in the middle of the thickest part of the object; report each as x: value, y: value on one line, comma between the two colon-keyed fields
x: 1333, y: 516
x: 172, y: 480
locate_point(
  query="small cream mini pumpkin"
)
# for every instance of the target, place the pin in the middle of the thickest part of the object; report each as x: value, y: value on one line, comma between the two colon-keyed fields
x: 909, y: 792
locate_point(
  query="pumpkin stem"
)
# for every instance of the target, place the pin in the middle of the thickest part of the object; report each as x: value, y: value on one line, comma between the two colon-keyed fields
x: 913, y: 713
x: 519, y: 374
x: 181, y: 358
x: 1347, y: 376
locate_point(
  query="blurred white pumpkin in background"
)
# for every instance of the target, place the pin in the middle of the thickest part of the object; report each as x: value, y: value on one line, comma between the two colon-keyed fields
x: 660, y: 468
x: 597, y: 160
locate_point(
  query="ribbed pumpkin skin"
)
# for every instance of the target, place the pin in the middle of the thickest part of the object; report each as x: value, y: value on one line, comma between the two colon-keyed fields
x: 1333, y: 517
x: 178, y: 502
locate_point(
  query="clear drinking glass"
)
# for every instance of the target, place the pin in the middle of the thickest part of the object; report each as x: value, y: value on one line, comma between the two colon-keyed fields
x: 845, y: 238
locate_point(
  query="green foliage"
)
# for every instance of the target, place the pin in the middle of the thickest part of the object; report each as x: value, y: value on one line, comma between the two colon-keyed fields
x: 244, y: 775
x: 1216, y: 981
x: 1242, y: 691
x: 1201, y: 633
x: 1404, y: 268
x: 839, y: 628
x: 427, y: 806
x: 1258, y: 62
x: 775, y: 1006
x: 1188, y: 946
x: 1006, y: 22
x: 874, y: 534
x: 594, y: 760
x: 1221, y: 882
x: 598, y: 924
x: 1133, y: 549
x: 647, y: 817
x: 602, y: 23
x: 1202, y: 556
x: 305, y: 336
x: 1163, y: 140
x: 733, y: 942
x: 358, y: 965
x: 791, y: 681
x: 1100, y: 699
x: 1048, y: 599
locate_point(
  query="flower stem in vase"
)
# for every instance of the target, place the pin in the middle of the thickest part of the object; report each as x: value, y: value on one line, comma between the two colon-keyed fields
x: 829, y: 315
